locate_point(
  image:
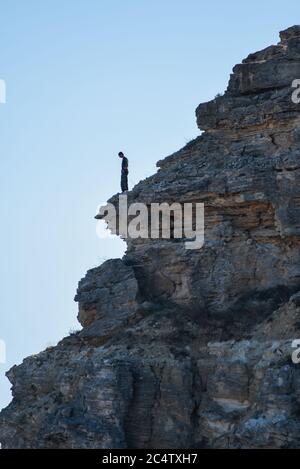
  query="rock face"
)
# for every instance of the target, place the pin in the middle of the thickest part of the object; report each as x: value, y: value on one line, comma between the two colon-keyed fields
x: 191, y: 348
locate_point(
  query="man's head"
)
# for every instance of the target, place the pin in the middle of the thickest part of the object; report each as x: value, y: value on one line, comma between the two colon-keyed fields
x: 121, y: 154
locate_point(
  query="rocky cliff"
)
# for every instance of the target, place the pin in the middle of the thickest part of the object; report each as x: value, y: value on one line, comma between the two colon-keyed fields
x: 191, y: 348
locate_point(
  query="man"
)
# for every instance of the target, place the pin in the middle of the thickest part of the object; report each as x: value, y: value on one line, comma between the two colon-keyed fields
x: 124, y: 172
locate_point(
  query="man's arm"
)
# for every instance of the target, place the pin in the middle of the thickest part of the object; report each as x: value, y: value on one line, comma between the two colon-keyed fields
x: 125, y: 165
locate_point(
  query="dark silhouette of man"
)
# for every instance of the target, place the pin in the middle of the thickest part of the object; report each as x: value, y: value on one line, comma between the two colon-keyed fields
x: 124, y: 172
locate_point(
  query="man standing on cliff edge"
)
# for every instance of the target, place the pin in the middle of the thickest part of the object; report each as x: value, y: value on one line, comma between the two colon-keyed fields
x: 124, y: 172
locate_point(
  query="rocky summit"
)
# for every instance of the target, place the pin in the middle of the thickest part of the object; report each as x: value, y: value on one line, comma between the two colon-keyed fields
x: 191, y: 348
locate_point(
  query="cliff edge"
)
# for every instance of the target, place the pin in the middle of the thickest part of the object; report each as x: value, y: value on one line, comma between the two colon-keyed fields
x: 191, y: 348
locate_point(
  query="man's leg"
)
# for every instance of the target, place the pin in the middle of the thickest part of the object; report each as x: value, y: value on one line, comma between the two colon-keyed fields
x: 124, y: 185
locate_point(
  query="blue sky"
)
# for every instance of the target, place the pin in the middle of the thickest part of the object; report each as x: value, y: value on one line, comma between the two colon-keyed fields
x: 85, y: 79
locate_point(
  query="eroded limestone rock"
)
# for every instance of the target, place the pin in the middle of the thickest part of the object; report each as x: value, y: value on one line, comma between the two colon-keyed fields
x: 181, y: 348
